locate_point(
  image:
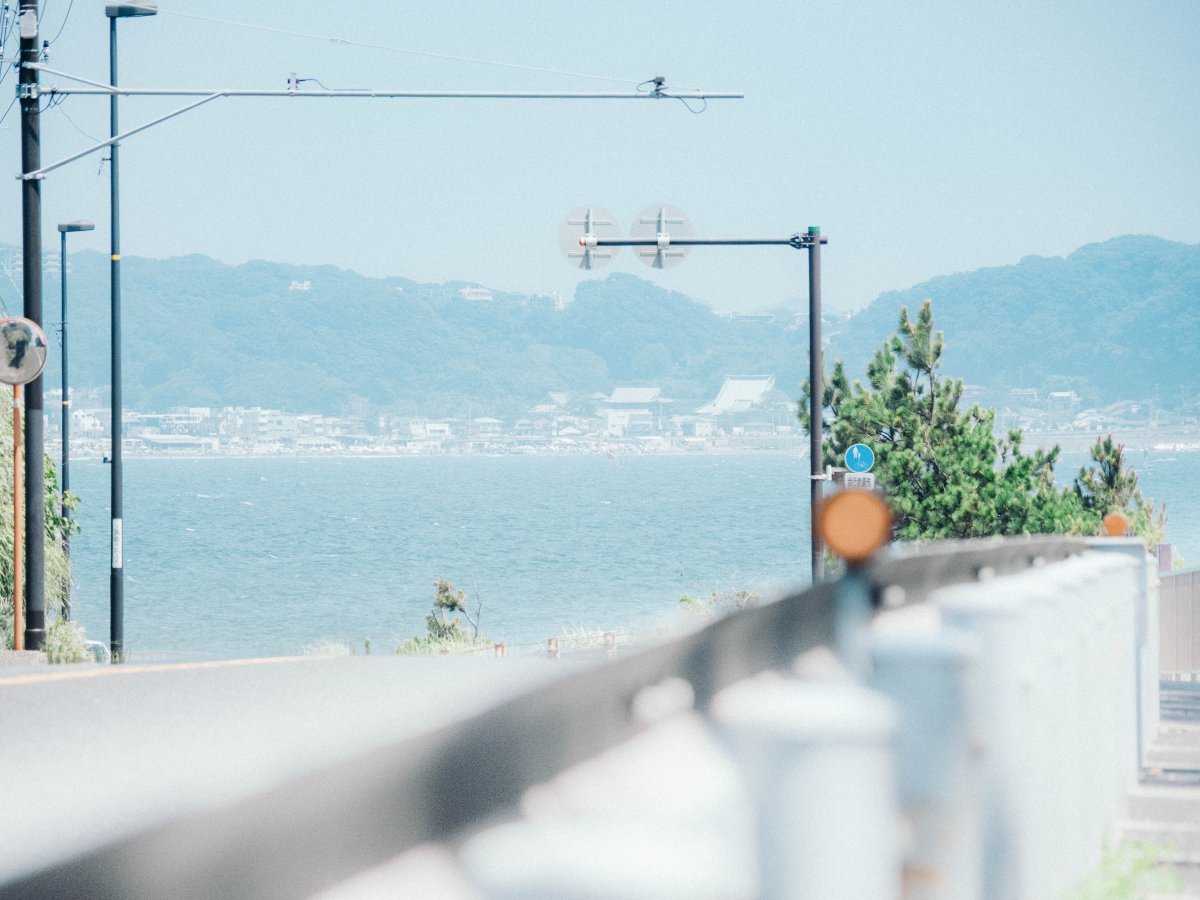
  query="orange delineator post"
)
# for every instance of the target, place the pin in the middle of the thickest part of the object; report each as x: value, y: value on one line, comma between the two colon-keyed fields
x: 18, y: 591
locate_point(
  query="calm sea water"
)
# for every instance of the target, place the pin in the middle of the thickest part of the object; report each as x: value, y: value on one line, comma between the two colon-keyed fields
x: 244, y: 556
x: 247, y: 556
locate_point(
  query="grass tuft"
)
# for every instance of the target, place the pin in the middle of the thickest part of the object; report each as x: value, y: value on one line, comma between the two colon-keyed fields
x: 66, y: 643
x: 328, y: 648
x: 434, y: 645
x: 1127, y: 872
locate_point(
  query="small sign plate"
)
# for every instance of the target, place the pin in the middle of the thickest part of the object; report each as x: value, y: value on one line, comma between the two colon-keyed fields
x: 858, y: 481
x: 860, y: 458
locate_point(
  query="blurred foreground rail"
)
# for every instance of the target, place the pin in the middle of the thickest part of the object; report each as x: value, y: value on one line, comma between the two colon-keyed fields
x: 960, y: 720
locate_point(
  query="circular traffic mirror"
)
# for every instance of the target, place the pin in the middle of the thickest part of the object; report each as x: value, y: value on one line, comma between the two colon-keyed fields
x: 22, y: 350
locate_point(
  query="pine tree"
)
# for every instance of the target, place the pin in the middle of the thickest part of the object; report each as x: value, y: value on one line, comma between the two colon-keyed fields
x: 944, y: 470
x: 1111, y: 486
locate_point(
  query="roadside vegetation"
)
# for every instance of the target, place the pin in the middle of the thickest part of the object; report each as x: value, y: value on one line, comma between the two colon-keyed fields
x: 719, y: 603
x: 65, y: 643
x: 944, y: 470
x: 58, y: 571
x: 1127, y: 872
x: 445, y: 631
x: 329, y: 648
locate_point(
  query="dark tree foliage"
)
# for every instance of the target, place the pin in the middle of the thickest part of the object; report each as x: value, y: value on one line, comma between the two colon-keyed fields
x: 944, y: 470
x: 1110, y: 485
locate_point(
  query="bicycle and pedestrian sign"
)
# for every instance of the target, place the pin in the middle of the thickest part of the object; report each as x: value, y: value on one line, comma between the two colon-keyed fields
x: 860, y: 458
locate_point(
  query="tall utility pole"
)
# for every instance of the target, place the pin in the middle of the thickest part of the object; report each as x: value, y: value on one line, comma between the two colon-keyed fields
x: 31, y: 225
x: 116, y: 572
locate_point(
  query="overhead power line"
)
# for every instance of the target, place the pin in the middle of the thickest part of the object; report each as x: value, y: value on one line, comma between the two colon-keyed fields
x: 66, y: 16
x: 412, y: 51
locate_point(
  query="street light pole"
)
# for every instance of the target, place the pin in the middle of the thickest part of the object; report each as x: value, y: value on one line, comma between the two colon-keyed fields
x: 64, y: 475
x: 815, y: 404
x: 116, y: 579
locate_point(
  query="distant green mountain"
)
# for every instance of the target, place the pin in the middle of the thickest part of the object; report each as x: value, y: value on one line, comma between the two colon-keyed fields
x: 1116, y: 320
x: 198, y: 332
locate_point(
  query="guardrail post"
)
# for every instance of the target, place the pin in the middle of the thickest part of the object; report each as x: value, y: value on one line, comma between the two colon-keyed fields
x: 1060, y: 715
x: 818, y: 759
x: 1147, y: 651
x: 996, y: 621
x: 854, y: 613
x: 931, y: 678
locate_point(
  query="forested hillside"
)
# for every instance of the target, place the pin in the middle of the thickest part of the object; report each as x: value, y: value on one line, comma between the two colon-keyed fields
x: 1117, y: 320
x: 198, y: 332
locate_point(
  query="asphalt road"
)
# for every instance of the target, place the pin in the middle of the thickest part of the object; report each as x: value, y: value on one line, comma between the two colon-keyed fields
x: 92, y: 753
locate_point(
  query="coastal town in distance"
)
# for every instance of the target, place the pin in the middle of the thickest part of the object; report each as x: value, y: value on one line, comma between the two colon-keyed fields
x: 748, y: 414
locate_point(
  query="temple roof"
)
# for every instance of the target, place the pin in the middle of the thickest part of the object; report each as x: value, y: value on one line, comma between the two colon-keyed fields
x: 738, y: 395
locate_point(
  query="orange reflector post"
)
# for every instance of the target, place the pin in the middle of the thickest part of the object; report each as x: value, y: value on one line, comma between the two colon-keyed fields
x: 854, y: 524
x: 1116, y: 525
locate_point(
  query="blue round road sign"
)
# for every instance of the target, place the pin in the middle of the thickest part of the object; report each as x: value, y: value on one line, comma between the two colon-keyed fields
x: 860, y: 458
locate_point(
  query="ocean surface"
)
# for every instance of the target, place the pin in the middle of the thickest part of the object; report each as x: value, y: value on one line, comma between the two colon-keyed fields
x: 239, y: 557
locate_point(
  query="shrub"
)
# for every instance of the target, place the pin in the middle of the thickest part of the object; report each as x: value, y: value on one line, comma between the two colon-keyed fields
x: 445, y: 634
x: 66, y: 643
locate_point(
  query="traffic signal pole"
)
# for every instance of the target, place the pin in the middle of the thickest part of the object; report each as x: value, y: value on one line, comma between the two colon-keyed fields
x: 810, y: 240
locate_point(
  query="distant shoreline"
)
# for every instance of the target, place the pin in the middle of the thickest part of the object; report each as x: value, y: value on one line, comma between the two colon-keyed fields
x: 615, y: 452
x: 1179, y: 440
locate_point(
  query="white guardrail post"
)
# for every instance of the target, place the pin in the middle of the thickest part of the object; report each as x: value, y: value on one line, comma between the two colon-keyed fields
x: 931, y: 677
x: 1058, y: 716
x: 1149, y: 640
x: 818, y: 758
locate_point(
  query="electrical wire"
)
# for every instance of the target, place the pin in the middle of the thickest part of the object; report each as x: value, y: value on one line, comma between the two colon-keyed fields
x: 8, y: 19
x: 318, y: 81
x: 56, y: 99
x: 74, y: 125
x: 408, y: 50
x: 658, y: 86
x: 7, y: 111
x: 64, y: 21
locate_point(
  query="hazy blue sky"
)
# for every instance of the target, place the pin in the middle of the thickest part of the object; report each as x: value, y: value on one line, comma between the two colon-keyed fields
x: 924, y: 137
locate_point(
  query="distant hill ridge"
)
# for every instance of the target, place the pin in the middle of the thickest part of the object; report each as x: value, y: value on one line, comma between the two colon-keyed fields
x: 1113, y: 320
x: 198, y: 332
x: 1119, y: 319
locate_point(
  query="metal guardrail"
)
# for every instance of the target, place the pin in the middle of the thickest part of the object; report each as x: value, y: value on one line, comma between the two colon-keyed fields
x: 1180, y: 625
x: 325, y: 826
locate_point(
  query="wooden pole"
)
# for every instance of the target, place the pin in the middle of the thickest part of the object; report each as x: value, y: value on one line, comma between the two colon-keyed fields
x: 18, y: 590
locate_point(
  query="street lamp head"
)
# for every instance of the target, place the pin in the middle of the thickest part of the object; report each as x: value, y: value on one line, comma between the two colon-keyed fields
x: 79, y: 225
x: 125, y: 10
